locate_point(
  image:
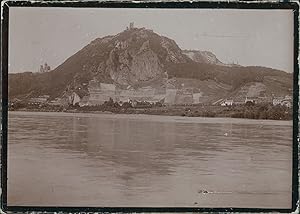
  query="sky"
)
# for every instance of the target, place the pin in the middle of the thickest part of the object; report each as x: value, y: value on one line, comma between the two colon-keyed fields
x: 247, y: 37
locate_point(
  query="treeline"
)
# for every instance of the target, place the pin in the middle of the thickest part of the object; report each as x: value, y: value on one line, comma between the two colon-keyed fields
x: 258, y: 111
x: 113, y: 106
x: 264, y: 112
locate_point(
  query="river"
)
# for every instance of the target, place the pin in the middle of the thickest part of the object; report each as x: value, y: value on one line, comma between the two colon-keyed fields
x: 77, y: 159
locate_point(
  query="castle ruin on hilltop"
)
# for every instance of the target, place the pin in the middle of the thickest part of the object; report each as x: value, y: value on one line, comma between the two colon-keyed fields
x: 131, y: 26
x: 44, y: 68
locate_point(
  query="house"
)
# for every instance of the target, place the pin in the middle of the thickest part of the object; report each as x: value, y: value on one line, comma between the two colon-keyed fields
x: 13, y: 101
x: 277, y: 101
x: 252, y: 100
x: 283, y: 101
x: 288, y: 97
x: 227, y: 103
x: 286, y: 103
x: 133, y: 103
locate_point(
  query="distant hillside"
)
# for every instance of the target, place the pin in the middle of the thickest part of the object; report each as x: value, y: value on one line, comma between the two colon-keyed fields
x: 139, y: 57
x: 234, y: 76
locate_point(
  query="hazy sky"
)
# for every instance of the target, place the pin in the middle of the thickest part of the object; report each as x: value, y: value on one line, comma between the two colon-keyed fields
x: 247, y: 37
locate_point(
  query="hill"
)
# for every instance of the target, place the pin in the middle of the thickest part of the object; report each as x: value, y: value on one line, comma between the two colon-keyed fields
x: 138, y: 57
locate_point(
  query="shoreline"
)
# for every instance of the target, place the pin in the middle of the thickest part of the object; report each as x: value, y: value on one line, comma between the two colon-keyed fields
x: 255, y: 112
x: 155, y: 117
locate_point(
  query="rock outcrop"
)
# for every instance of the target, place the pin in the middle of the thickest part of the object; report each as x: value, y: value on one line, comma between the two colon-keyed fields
x: 202, y: 57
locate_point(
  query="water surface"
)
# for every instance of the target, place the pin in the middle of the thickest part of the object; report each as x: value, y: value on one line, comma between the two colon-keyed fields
x: 73, y: 159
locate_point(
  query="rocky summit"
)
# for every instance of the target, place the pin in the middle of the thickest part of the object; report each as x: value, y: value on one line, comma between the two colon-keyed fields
x: 137, y: 58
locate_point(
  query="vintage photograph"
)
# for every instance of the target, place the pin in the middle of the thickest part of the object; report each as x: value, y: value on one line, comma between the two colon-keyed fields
x: 150, y: 107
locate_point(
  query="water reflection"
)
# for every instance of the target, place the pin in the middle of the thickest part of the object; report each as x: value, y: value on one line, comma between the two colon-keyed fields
x: 126, y: 161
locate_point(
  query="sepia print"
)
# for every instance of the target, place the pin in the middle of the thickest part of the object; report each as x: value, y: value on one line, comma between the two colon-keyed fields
x: 150, y: 107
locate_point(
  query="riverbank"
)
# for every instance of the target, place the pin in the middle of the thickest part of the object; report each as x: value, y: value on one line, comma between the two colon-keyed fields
x: 152, y: 118
x: 267, y: 112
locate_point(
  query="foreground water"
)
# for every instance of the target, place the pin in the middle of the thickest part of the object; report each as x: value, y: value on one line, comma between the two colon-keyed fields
x: 65, y: 159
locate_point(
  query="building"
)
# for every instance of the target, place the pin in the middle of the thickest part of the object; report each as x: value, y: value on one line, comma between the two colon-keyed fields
x: 227, y: 103
x: 277, y: 101
x: 131, y: 25
x: 286, y: 103
x: 288, y: 97
x: 283, y: 101
x: 251, y: 100
x: 13, y: 101
x: 44, y: 68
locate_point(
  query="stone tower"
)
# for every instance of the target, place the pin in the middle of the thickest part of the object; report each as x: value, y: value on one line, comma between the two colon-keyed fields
x: 131, y: 25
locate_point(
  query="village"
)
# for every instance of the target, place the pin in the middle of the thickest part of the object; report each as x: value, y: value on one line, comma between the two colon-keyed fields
x: 99, y: 93
x: 281, y: 101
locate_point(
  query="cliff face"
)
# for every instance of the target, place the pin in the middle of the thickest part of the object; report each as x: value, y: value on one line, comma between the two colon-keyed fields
x: 129, y: 66
x: 139, y: 56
